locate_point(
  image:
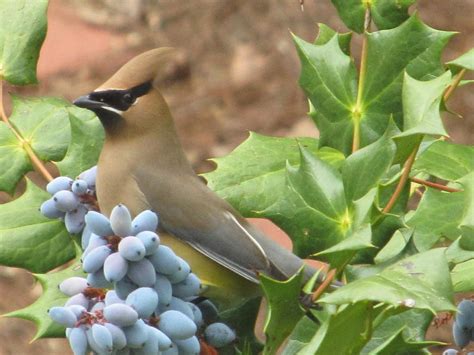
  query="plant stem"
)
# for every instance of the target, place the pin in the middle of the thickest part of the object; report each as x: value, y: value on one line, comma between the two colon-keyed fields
x: 411, y: 159
x: 454, y: 85
x: 37, y: 163
x: 327, y: 281
x: 403, y: 179
x: 357, y: 110
x: 434, y: 185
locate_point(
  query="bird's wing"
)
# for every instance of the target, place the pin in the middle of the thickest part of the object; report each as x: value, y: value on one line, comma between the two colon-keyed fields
x: 194, y: 214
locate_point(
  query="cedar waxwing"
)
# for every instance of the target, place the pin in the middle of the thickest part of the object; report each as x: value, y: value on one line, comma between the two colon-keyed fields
x: 143, y: 166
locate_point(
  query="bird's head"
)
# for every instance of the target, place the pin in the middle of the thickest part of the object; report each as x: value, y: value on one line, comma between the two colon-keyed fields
x: 129, y: 100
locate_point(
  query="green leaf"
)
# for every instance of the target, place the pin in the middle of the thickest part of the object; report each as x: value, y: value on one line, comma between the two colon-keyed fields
x: 352, y: 13
x: 456, y: 254
x: 465, y: 61
x: 385, y: 13
x: 22, y: 33
x: 388, y: 14
x: 326, y: 33
x: 363, y: 169
x: 284, y: 309
x: 467, y: 222
x: 397, y: 344
x: 253, y: 178
x: 316, y: 205
x: 462, y: 276
x: 404, y: 332
x: 328, y: 78
x: 30, y: 240
x: 341, y: 253
x: 14, y: 162
x: 445, y: 160
x: 438, y: 214
x: 395, y: 245
x: 421, y: 281
x: 421, y: 102
x: 87, y: 136
x: 44, y: 124
x: 353, y: 322
x: 37, y: 312
x: 301, y: 335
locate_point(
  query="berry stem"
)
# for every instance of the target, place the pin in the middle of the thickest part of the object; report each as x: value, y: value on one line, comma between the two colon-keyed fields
x: 434, y: 185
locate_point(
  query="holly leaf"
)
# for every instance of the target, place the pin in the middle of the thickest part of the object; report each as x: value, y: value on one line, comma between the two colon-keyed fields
x: 465, y: 61
x: 363, y: 169
x: 401, y: 333
x: 328, y: 77
x: 385, y: 13
x: 314, y: 210
x: 284, y: 309
x: 341, y: 253
x: 420, y: 281
x: 28, y: 239
x: 329, y: 80
x: 438, y: 214
x: 445, y: 160
x: 87, y: 136
x: 326, y: 33
x: 253, y: 178
x: 37, y: 312
x: 462, y: 276
x: 21, y: 36
x: 43, y: 123
x: 301, y: 335
x: 354, y: 321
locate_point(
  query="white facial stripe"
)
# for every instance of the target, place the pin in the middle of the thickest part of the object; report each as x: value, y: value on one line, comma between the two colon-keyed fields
x: 106, y: 89
x: 112, y: 109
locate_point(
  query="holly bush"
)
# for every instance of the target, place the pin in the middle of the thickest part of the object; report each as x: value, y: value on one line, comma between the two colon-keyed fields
x: 384, y: 197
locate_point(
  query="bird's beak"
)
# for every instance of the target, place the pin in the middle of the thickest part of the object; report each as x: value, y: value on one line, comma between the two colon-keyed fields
x: 86, y: 102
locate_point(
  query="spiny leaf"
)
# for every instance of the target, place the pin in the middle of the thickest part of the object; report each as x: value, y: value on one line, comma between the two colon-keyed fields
x: 43, y: 123
x: 385, y: 13
x: 37, y: 312
x: 363, y: 169
x: 421, y: 281
x: 326, y: 33
x: 465, y: 61
x: 328, y: 78
x: 353, y: 321
x: 87, y: 136
x: 21, y: 35
x: 253, y: 178
x: 405, y: 330
x: 284, y: 309
x: 30, y: 240
x: 446, y: 160
x: 438, y: 214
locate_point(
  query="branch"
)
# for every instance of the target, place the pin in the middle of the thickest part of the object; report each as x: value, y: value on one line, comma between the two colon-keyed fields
x: 327, y: 281
x: 403, y: 179
x: 435, y: 185
x: 357, y: 110
x: 454, y: 85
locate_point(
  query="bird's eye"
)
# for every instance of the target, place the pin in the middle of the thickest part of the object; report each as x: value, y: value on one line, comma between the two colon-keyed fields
x: 128, y: 99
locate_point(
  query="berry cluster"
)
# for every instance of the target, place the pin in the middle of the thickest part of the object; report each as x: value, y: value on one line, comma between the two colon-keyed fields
x: 463, y: 326
x: 139, y: 297
x: 71, y: 200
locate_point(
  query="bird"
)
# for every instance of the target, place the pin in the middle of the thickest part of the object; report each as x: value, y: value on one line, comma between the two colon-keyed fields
x: 143, y: 166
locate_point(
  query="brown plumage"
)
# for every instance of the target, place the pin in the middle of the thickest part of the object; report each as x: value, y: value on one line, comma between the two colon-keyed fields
x: 143, y: 166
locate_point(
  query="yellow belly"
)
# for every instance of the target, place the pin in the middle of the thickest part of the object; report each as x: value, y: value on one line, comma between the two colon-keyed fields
x: 221, y: 285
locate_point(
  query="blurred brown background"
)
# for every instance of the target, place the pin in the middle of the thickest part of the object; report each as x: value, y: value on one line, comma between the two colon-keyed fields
x: 237, y: 72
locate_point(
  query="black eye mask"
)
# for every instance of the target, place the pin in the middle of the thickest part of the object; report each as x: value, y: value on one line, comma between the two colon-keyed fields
x: 120, y: 99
